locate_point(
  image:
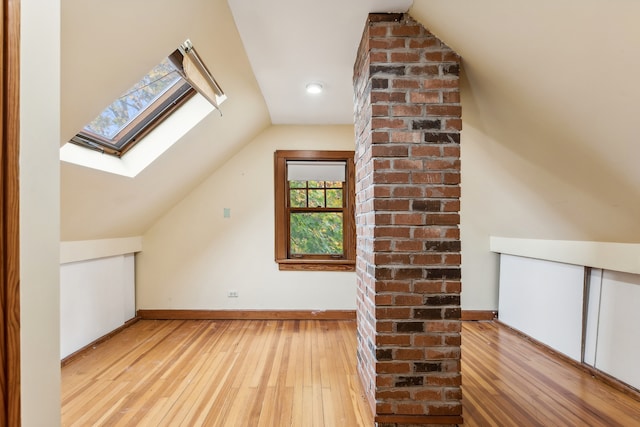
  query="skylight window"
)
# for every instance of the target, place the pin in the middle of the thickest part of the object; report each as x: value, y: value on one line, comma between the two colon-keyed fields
x: 145, y: 105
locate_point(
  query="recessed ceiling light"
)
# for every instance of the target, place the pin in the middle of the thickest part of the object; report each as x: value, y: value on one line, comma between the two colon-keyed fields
x: 314, y: 88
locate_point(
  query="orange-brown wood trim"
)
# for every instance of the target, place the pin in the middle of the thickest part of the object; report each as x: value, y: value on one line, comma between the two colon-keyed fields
x: 479, y: 315
x: 247, y: 314
x: 596, y: 373
x: 9, y: 216
x: 419, y: 419
x: 91, y: 345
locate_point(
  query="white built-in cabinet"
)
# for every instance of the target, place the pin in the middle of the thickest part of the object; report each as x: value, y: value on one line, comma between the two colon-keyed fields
x: 590, y: 314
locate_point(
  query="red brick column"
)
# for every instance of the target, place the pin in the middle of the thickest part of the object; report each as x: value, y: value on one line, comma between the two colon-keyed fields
x: 408, y: 199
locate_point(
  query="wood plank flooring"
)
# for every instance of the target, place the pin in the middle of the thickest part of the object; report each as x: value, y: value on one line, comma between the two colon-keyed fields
x: 508, y: 381
x: 302, y: 373
x: 218, y: 373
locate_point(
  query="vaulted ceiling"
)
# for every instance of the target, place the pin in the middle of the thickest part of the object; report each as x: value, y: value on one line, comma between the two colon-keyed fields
x: 552, y: 82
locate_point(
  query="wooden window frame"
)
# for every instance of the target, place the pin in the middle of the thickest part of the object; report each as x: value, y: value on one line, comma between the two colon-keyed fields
x: 149, y: 119
x: 10, y: 405
x: 313, y: 263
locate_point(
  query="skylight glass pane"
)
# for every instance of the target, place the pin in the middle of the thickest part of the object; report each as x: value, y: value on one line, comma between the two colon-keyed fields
x: 133, y: 103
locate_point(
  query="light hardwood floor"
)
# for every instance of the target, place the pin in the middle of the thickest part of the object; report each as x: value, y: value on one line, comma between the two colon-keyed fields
x: 302, y: 373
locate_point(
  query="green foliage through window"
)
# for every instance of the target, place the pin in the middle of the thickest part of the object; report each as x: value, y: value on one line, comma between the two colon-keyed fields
x: 318, y: 233
x: 315, y: 228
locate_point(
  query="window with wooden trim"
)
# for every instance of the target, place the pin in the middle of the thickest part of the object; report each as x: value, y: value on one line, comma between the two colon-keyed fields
x: 314, y: 210
x: 155, y: 97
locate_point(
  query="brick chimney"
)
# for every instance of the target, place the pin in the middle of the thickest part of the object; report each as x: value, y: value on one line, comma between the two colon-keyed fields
x: 408, y: 122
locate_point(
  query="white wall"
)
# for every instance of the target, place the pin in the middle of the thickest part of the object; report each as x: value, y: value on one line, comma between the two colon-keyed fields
x: 617, y: 338
x: 39, y: 212
x: 193, y: 255
x: 96, y: 297
x: 543, y: 299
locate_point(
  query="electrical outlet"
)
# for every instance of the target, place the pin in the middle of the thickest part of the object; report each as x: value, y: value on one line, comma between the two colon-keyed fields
x: 232, y: 294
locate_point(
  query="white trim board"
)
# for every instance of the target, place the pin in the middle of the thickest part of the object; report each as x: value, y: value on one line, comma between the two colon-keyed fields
x: 82, y: 250
x: 624, y: 257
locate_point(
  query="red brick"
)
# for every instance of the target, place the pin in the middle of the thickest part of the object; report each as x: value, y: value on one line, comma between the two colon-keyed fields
x: 379, y: 56
x: 406, y: 136
x: 387, y: 43
x: 401, y: 232
x: 452, y: 178
x: 425, y: 151
x: 410, y: 409
x: 428, y: 394
x: 405, y: 84
x: 453, y: 124
x: 409, y: 354
x: 380, y: 123
x: 407, y: 245
x: 429, y: 259
x: 386, y: 299
x: 391, y: 205
x: 405, y: 57
x: 428, y: 287
x: 444, y: 110
x: 452, y: 259
x: 384, y: 408
x: 390, y: 150
x: 427, y: 340
x: 407, y: 30
x: 440, y: 83
x: 384, y: 380
x: 426, y: 178
x: 393, y: 367
x: 453, y: 287
x: 408, y: 191
x: 446, y: 380
x: 408, y: 164
x: 392, y: 286
x: 435, y: 56
x: 423, y: 43
x: 379, y: 110
x: 378, y: 136
x: 451, y: 97
x: 393, y: 313
x: 408, y: 219
x: 407, y: 110
x: 427, y: 233
x: 452, y: 151
x: 452, y: 233
x: 443, y: 192
x: 403, y: 340
x: 393, y: 394
x: 391, y: 177
x: 407, y: 300
x: 378, y: 31
x: 425, y: 97
x: 384, y: 327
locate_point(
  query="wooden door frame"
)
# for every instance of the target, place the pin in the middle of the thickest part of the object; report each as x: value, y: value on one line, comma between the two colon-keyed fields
x: 9, y: 216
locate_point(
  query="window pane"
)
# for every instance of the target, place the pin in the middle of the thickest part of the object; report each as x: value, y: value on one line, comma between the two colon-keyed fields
x: 297, y: 184
x: 333, y: 184
x: 298, y: 198
x: 129, y: 106
x: 334, y: 198
x: 316, y: 198
x: 316, y: 233
x: 316, y: 184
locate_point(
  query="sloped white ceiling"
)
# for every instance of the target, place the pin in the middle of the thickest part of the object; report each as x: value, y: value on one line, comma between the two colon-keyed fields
x: 551, y: 82
x: 291, y: 43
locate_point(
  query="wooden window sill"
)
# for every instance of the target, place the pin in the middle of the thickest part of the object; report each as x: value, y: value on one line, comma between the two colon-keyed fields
x: 316, y: 265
